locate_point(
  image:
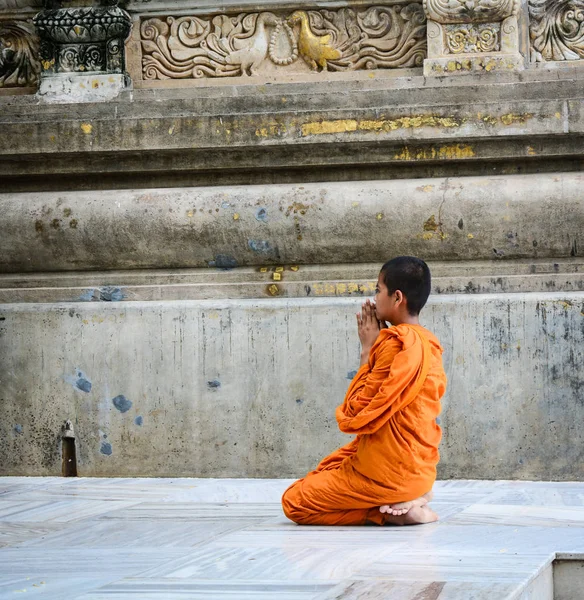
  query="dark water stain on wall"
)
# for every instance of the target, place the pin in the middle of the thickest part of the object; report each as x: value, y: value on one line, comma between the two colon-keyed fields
x: 262, y: 215
x: 106, y: 448
x: 351, y: 374
x: 18, y: 428
x: 111, y: 294
x: 122, y: 403
x: 213, y: 385
x: 259, y: 245
x: 223, y: 261
x: 139, y: 421
x: 81, y: 382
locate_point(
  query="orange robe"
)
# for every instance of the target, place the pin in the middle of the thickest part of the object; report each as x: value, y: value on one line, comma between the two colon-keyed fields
x: 392, y: 405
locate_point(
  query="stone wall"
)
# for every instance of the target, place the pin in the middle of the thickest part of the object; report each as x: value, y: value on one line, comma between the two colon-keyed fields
x: 196, y: 200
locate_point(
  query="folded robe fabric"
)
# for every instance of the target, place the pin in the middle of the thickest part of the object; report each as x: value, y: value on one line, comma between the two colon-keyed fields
x: 391, y: 405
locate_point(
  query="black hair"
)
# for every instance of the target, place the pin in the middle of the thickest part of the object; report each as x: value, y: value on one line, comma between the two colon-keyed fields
x: 411, y: 276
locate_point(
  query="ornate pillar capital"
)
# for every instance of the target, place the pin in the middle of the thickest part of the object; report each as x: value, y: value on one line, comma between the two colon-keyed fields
x: 82, y: 41
x: 471, y: 36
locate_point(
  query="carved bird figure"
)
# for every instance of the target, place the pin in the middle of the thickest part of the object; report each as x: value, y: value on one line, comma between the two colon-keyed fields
x: 314, y: 49
x: 253, y: 50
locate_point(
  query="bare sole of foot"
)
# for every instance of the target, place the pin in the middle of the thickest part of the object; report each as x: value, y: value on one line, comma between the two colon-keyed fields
x: 418, y: 515
x: 401, y: 508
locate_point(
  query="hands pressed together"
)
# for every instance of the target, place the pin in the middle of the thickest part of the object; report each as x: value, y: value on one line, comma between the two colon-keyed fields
x: 368, y: 327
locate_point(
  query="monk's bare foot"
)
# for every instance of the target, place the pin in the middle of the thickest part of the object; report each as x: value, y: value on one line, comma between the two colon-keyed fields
x: 401, y: 508
x: 418, y: 515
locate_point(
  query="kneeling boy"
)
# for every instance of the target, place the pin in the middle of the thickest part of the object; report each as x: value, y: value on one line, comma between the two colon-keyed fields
x: 385, y: 475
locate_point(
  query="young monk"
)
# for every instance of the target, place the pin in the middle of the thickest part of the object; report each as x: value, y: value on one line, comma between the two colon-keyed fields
x: 385, y: 475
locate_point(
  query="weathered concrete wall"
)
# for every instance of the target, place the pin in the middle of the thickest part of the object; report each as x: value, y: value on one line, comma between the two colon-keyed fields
x: 464, y: 219
x: 248, y: 388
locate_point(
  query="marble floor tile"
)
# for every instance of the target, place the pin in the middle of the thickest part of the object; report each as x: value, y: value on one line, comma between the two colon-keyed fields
x: 47, y: 511
x: 520, y: 515
x: 169, y: 589
x: 109, y: 533
x: 215, y: 539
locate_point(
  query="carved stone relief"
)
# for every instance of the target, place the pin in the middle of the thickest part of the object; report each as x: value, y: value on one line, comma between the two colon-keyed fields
x: 82, y: 40
x: 556, y: 29
x: 247, y: 44
x: 19, y: 51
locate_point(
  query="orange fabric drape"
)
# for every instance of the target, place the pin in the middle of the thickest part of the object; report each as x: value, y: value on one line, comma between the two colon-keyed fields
x: 392, y: 405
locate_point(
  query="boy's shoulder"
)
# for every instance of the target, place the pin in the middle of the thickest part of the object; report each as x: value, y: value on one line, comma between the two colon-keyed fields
x: 404, y: 328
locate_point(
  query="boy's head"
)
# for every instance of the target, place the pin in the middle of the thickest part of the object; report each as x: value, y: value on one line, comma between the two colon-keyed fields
x: 403, y: 287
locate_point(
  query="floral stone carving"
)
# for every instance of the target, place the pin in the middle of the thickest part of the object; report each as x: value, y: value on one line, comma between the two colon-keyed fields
x: 89, y: 39
x: 19, y: 50
x: 470, y: 11
x: 556, y: 29
x: 377, y: 37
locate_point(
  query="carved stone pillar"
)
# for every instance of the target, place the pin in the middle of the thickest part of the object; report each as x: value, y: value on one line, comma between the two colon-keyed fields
x: 82, y: 51
x: 472, y: 35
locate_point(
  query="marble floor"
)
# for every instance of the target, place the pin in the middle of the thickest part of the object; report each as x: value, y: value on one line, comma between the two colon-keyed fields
x: 108, y: 539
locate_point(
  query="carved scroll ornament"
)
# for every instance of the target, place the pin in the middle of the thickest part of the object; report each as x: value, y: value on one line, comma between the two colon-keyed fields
x: 473, y: 38
x: 229, y: 46
x: 556, y: 29
x: 467, y: 11
x: 19, y: 50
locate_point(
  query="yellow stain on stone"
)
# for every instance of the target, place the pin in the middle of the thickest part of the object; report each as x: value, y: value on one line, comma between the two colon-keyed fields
x: 425, y: 188
x: 171, y: 130
x: 451, y: 151
x: 427, y: 236
x: 279, y: 269
x: 47, y: 64
x: 52, y: 138
x: 320, y: 127
x: 531, y: 151
x: 558, y: 115
x: 510, y: 118
x: 371, y: 75
x: 236, y: 217
x: 95, y: 84
x: 470, y: 236
x: 379, y: 216
x: 277, y: 276
x: 566, y: 305
x: 263, y: 269
x: 189, y: 213
x: 355, y: 204
x: 341, y: 288
x: 273, y: 290
x: 87, y: 128
x: 294, y: 268
x: 430, y: 224
x: 352, y: 288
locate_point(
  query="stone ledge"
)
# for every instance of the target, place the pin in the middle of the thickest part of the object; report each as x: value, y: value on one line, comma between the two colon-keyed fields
x: 472, y: 218
x: 286, y: 281
x: 335, y: 125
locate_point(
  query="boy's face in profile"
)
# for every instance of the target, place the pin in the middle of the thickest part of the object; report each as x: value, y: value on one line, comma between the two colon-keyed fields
x: 384, y: 303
